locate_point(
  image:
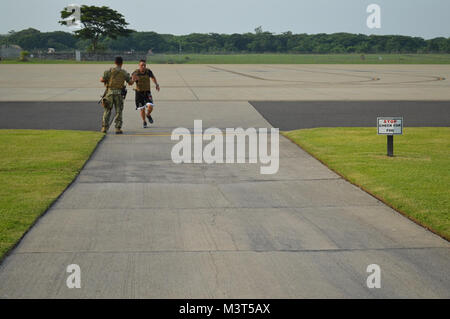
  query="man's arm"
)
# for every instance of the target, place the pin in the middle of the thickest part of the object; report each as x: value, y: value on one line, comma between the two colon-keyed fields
x: 105, y: 77
x: 132, y: 79
x: 156, y: 82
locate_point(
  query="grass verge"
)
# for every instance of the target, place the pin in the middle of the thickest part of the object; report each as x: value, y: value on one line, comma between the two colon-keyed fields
x: 300, y: 58
x: 35, y: 168
x: 268, y: 58
x: 416, y: 181
x: 44, y: 61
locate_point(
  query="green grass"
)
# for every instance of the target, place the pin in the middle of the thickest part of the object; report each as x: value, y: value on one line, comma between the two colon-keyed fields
x: 301, y: 59
x: 416, y: 181
x: 42, y: 61
x: 35, y: 167
x: 267, y: 58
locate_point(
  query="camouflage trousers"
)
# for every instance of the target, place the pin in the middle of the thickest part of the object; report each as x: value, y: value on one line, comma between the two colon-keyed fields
x: 112, y: 99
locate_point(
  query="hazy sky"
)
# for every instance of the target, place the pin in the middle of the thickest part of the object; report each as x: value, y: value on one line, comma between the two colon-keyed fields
x: 425, y: 18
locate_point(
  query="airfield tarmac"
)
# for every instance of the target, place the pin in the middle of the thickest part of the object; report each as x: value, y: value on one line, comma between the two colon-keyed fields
x: 141, y: 226
x: 69, y: 82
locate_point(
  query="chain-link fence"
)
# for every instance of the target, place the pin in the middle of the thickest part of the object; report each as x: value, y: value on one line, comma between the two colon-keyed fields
x: 9, y: 52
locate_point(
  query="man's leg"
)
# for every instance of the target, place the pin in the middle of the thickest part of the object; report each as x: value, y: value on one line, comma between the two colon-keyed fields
x: 143, y: 114
x: 149, y: 106
x: 149, y: 110
x: 118, y: 103
x: 140, y: 105
x: 107, y: 105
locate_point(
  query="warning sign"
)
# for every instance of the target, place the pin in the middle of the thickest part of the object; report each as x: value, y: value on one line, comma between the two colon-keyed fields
x: 390, y: 125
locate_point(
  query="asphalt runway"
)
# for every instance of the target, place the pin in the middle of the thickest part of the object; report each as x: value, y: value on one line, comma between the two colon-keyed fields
x: 290, y: 115
x: 285, y: 115
x: 84, y: 116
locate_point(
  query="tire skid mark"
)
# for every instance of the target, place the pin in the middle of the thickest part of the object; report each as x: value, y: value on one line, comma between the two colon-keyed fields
x: 431, y: 78
x: 369, y: 79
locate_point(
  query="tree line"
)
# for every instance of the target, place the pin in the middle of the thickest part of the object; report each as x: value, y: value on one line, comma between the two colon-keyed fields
x: 257, y: 42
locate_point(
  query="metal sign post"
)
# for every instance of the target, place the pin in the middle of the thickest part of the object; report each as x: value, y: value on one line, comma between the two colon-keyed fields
x: 390, y: 145
x: 390, y: 126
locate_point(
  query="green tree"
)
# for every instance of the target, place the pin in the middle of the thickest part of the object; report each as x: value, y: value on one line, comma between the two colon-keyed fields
x: 258, y: 30
x: 24, y: 56
x: 99, y: 22
x: 438, y: 45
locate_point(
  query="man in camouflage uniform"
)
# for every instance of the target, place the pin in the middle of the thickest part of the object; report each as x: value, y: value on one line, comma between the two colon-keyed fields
x: 114, y: 79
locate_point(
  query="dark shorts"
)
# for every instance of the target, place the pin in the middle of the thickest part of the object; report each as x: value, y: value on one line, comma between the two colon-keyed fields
x: 142, y: 98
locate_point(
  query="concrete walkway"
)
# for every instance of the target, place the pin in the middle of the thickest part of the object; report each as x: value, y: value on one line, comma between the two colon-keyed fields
x: 140, y: 226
